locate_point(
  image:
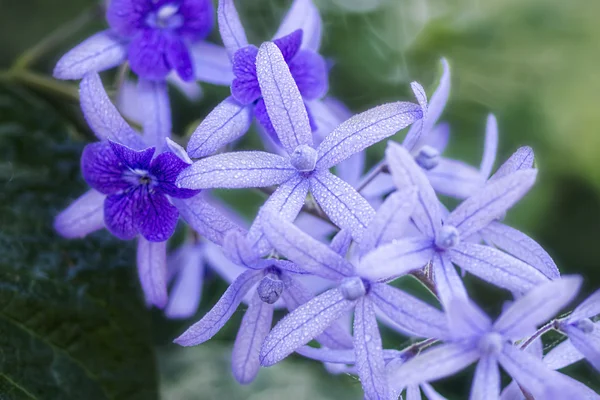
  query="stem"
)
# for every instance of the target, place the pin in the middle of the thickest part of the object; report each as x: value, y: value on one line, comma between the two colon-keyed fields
x: 378, y: 169
x: 43, y: 84
x: 544, y: 329
x: 414, y: 349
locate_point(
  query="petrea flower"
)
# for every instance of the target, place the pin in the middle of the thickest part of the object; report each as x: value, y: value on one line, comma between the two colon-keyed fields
x: 305, y: 167
x: 133, y: 190
x: 472, y: 336
x: 155, y: 37
x: 444, y: 238
x: 273, y: 279
x: 353, y: 291
x: 298, y: 38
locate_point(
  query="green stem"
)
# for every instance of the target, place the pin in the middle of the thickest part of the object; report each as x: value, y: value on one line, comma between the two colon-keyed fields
x: 42, y: 84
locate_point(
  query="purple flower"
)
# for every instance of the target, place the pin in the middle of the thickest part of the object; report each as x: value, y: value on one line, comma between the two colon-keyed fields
x: 472, y: 336
x: 445, y: 240
x: 353, y: 291
x: 304, y: 167
x: 155, y: 37
x: 298, y: 39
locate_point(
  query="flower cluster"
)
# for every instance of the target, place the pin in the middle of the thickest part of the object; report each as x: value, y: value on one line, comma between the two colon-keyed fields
x: 327, y: 247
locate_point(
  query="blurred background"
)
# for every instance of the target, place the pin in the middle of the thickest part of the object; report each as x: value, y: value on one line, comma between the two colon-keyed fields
x: 533, y: 63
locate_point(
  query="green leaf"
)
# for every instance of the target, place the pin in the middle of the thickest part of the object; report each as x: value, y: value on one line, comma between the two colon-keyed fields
x: 72, y: 322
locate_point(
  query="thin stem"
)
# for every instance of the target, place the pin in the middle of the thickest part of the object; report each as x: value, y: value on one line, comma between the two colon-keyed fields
x: 43, y: 83
x: 414, y: 349
x: 544, y: 329
x: 378, y: 169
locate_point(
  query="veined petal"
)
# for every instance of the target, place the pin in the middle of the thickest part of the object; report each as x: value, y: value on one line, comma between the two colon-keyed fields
x: 588, y: 309
x: 152, y: 271
x: 186, y: 292
x: 341, y: 203
x: 364, y: 130
x: 588, y: 343
x: 303, y: 324
x: 519, y: 245
x: 396, y: 259
x: 490, y: 147
x: 405, y: 172
x: 100, y: 52
x: 237, y: 248
x: 391, y: 219
x: 286, y: 202
x: 214, y: 320
x: 466, y: 320
x: 521, y: 159
x: 447, y: 282
x: 165, y: 169
x: 149, y: 54
x: 537, y: 306
x: 491, y: 202
x: 486, y: 383
x: 409, y: 313
x: 303, y: 14
x: 455, y: 178
x: 119, y: 214
x: 313, y: 256
x: 241, y: 169
x: 369, y: 353
x: 205, y: 219
x: 211, y: 63
x: 155, y: 217
x: 282, y: 98
x: 341, y: 242
x: 103, y: 117
x: 225, y: 123
x: 102, y: 169
x: 311, y: 74
x: 496, y: 267
x: 179, y: 59
x: 255, y: 326
x: 155, y: 110
x: 84, y: 216
x: 230, y: 27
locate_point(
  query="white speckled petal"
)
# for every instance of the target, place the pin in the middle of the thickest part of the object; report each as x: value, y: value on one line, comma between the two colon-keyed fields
x: 364, y: 130
x: 152, y: 271
x: 344, y: 206
x: 486, y: 382
x: 155, y: 112
x: 230, y: 27
x: 521, y: 159
x: 225, y: 123
x: 243, y: 169
x: 303, y: 14
x: 84, y: 216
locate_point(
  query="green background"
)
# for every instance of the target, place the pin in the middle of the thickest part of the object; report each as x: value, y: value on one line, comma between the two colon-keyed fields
x: 72, y: 322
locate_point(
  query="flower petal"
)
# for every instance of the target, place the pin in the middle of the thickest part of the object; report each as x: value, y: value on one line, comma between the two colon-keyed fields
x: 127, y: 16
x: 186, y: 292
x: 84, y: 216
x: 245, y: 87
x: 180, y: 59
x: 521, y: 159
x: 119, y: 210
x: 490, y: 147
x: 211, y: 63
x: 214, y: 320
x: 149, y: 54
x: 563, y: 355
x: 588, y: 343
x: 230, y: 27
x: 447, y: 282
x: 588, y: 309
x: 486, y: 383
x: 327, y: 114
x: 303, y: 14
x: 237, y: 248
x: 282, y: 98
x: 155, y: 217
x: 240, y: 169
x: 310, y: 73
x: 102, y: 169
x: 100, y: 52
x: 165, y: 169
x: 155, y: 112
x: 466, y: 320
x: 255, y: 326
x: 455, y: 178
x: 152, y: 271
x: 364, y: 130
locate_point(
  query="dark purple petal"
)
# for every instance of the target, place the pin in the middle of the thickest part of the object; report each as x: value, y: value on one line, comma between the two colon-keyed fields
x: 132, y: 159
x: 289, y: 44
x: 303, y: 14
x: 155, y: 217
x: 310, y: 73
x: 119, y: 210
x: 126, y: 17
x: 148, y: 54
x: 179, y: 58
x: 102, y: 169
x: 245, y: 87
x: 260, y: 112
x: 165, y: 168
x: 198, y: 19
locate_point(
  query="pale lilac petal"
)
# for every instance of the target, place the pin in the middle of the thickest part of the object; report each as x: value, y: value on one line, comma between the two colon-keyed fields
x: 302, y: 325
x: 286, y: 202
x: 563, y: 355
x: 448, y: 283
x: 186, y: 292
x: 204, y: 218
x: 410, y: 314
x: 521, y: 159
x: 455, y: 178
x: 588, y: 343
x: 315, y: 226
x: 341, y: 242
x: 364, y: 130
x: 241, y: 169
x: 490, y: 147
x: 521, y: 246
x: 303, y: 15
x: 486, y: 382
x: 537, y: 306
x: 127, y: 101
x: 391, y: 219
x: 230, y: 27
x: 222, y: 265
x: 282, y: 98
x: 466, y: 320
x: 512, y: 392
x: 100, y: 52
x: 214, y: 320
x: 431, y: 393
x: 378, y: 187
x: 211, y: 63
x: 84, y: 216
x: 103, y: 117
x: 496, y: 267
x: 179, y: 151
x: 396, y: 259
x: 413, y: 392
x: 225, y: 123
x: 438, y: 138
x: 152, y: 271
x: 255, y: 326
x: 417, y: 130
x: 313, y: 256
x: 351, y: 169
x: 326, y: 114
x: 369, y: 353
x: 405, y: 172
x: 155, y: 112
x: 439, y: 362
x: 491, y: 202
x: 191, y: 90
x: 344, y: 206
x: 588, y: 309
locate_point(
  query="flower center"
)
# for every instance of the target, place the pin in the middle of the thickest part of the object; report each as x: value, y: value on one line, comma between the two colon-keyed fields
x: 304, y: 158
x: 270, y: 288
x: 166, y: 17
x: 491, y: 343
x: 138, y: 177
x: 428, y: 157
x: 447, y: 238
x: 353, y: 288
